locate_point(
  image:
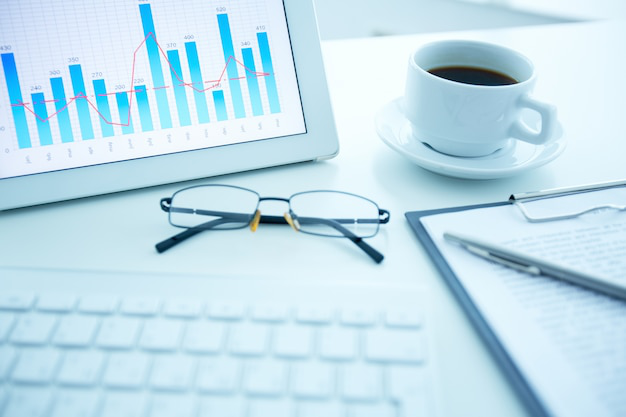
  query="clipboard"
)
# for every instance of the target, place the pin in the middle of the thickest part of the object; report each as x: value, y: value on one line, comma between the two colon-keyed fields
x: 521, y: 385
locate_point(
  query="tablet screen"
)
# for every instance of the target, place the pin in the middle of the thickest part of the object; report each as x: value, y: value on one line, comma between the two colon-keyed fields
x: 85, y: 83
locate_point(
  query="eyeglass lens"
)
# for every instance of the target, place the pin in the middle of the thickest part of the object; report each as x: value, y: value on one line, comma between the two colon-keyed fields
x: 354, y: 213
x: 194, y: 206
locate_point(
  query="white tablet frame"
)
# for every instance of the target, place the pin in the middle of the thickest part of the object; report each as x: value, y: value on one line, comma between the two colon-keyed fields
x: 318, y: 142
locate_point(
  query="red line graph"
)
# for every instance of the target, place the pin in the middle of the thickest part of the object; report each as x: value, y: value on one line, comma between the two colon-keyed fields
x: 81, y: 95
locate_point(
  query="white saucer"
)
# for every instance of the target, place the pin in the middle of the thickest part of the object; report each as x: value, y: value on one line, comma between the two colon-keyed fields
x: 395, y: 130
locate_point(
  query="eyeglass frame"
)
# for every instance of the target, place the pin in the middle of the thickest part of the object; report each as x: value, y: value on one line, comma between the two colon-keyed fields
x: 254, y: 219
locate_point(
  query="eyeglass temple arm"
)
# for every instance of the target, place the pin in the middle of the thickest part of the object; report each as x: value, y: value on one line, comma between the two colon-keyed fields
x: 365, y: 247
x: 192, y: 231
x: 336, y: 224
x: 186, y: 234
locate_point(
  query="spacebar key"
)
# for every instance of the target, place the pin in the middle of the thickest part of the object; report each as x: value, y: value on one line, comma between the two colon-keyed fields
x: 395, y: 346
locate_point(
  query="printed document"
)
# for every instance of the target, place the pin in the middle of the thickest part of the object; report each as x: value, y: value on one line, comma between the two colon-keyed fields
x: 568, y: 342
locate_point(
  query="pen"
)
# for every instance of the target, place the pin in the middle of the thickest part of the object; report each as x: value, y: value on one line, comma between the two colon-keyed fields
x: 536, y: 266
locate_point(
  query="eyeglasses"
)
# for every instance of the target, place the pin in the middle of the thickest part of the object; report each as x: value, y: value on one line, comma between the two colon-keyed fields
x: 227, y: 207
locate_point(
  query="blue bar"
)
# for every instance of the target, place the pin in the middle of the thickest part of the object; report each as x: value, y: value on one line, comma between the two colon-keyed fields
x: 231, y: 65
x: 253, y: 82
x: 15, y: 97
x: 155, y: 66
x: 102, y: 101
x: 43, y: 125
x: 197, y: 82
x: 144, y: 108
x: 82, y: 105
x: 220, y: 105
x: 124, y: 110
x: 270, y: 81
x: 63, y: 115
x: 179, y: 88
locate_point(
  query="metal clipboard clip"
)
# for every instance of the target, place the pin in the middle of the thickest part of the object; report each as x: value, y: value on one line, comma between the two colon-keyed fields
x: 521, y: 201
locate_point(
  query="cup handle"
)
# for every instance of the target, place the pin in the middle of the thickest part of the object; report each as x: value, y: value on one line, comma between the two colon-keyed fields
x: 547, y: 112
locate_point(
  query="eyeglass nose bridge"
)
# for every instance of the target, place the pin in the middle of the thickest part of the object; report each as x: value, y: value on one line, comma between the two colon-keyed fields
x: 288, y: 218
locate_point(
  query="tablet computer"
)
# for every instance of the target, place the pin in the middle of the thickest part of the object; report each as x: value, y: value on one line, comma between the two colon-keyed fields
x: 98, y: 97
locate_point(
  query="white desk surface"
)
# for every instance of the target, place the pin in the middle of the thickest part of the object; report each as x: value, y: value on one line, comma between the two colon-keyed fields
x: 581, y: 69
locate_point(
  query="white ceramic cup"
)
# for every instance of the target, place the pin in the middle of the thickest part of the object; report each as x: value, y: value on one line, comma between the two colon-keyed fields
x: 472, y: 120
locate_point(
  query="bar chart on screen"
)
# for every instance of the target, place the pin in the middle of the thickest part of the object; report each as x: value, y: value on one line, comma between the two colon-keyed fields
x: 93, y: 82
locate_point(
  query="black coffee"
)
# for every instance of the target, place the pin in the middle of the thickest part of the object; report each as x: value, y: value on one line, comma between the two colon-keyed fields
x: 473, y: 75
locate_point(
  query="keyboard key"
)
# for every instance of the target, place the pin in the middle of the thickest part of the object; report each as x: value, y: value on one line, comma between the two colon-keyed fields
x: 395, y: 346
x: 118, y: 333
x: 7, y: 359
x: 161, y: 334
x: 338, y: 343
x: 314, y: 315
x: 205, y: 337
x: 320, y: 409
x: 265, y: 377
x: 409, y: 388
x: 183, y: 308
x: 172, y: 373
x: 58, y: 303
x: 249, y: 339
x: 18, y: 301
x: 270, y: 313
x: 403, y: 318
x: 377, y: 410
x: 126, y: 370
x: 140, y: 306
x: 227, y: 311
x: 361, y: 382
x: 222, y: 407
x: 269, y: 407
x: 80, y: 368
x: 33, y: 329
x: 168, y: 405
x: 123, y: 404
x: 76, y: 331
x: 293, y: 341
x: 75, y: 403
x: 28, y: 402
x: 35, y: 366
x: 415, y: 406
x: 313, y: 380
x: 6, y: 323
x: 406, y: 382
x: 358, y: 317
x: 98, y: 304
x: 218, y: 375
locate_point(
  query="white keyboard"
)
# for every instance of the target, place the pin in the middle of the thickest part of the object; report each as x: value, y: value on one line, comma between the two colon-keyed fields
x: 83, y: 344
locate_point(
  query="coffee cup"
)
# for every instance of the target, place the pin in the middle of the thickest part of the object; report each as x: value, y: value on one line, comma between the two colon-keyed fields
x: 467, y: 98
